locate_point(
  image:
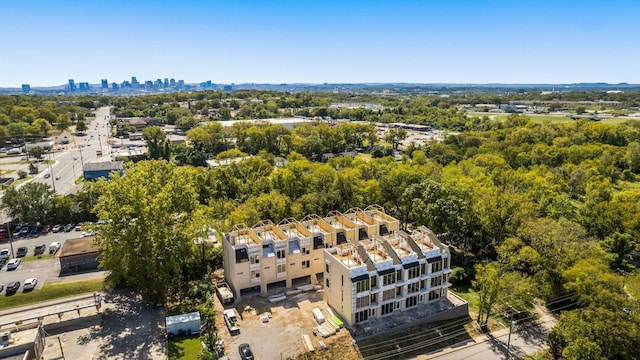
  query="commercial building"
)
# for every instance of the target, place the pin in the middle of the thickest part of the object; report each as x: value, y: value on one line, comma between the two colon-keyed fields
x: 78, y: 255
x: 94, y: 171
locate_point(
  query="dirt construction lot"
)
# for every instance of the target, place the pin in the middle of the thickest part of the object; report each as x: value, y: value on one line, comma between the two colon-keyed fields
x: 281, y: 337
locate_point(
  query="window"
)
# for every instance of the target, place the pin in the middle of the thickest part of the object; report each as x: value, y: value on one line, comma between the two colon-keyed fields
x: 399, y: 291
x: 387, y: 308
x: 326, y: 282
x: 254, y: 259
x: 362, y: 286
x: 255, y: 274
x: 362, y: 302
x: 388, y: 295
x: 305, y: 250
x: 281, y: 268
x: 412, y: 301
x: 305, y: 264
x: 436, y: 266
x: 423, y: 268
x: 413, y: 288
x: 399, y: 274
x: 435, y: 294
x: 280, y: 254
x: 413, y: 272
x: 389, y: 279
x: 362, y: 316
x: 326, y: 268
x: 372, y: 313
x: 374, y: 281
x: 374, y: 298
x: 436, y: 281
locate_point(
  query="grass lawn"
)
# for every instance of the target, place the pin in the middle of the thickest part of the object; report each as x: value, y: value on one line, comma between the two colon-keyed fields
x: 471, y: 296
x: 184, y: 348
x: 364, y: 157
x: 539, y: 119
x: 51, y: 292
x: 39, y: 257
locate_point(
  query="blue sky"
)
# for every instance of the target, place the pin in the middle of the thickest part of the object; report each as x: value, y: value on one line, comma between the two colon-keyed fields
x: 47, y: 42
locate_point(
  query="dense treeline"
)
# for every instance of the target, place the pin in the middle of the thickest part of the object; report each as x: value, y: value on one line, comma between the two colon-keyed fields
x: 531, y: 210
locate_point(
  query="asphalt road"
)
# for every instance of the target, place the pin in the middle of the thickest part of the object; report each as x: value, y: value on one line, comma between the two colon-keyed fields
x: 81, y: 150
x: 523, y: 342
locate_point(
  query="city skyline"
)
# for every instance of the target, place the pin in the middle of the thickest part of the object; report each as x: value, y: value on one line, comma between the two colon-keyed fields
x: 334, y: 42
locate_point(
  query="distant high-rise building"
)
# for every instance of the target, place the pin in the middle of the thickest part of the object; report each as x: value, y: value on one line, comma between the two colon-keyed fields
x: 134, y: 82
x: 180, y: 83
x: 105, y: 84
x: 84, y: 86
x: 26, y: 88
x: 172, y: 82
x: 166, y: 82
x: 114, y: 86
x: 148, y: 84
x: 227, y: 87
x: 72, y: 85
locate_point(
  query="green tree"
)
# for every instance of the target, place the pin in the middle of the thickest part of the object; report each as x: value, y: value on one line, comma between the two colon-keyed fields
x: 63, y: 122
x: 153, y: 220
x: 31, y: 203
x: 632, y: 157
x: 81, y: 126
x: 157, y: 143
x: 619, y: 246
x: 36, y: 152
x: 395, y: 136
x: 43, y: 125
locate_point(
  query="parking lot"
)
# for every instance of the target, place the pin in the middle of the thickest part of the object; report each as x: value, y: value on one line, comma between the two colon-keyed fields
x: 281, y: 336
x: 46, y: 269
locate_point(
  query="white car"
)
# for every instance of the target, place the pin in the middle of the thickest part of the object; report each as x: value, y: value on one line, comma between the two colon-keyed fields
x: 54, y: 247
x: 4, y: 253
x: 13, y: 264
x: 30, y: 284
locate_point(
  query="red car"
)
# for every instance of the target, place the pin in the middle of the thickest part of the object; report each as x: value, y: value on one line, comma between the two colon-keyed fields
x: 46, y: 228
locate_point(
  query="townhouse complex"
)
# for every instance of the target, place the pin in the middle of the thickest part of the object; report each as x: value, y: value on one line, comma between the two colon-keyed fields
x: 368, y: 266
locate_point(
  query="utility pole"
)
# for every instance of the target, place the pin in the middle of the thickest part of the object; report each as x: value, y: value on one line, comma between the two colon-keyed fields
x: 61, y: 351
x: 513, y: 325
x: 53, y: 183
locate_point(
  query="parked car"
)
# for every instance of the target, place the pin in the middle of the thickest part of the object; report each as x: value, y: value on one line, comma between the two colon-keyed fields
x: 12, y: 287
x: 46, y: 228
x: 5, y: 253
x: 78, y: 227
x: 245, y: 352
x: 24, y: 230
x: 54, y: 247
x: 57, y: 228
x: 47, y: 175
x: 35, y: 230
x: 68, y: 227
x: 1, y: 287
x: 232, y: 322
x: 13, y: 264
x: 22, y: 251
x: 30, y: 284
x: 39, y: 249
